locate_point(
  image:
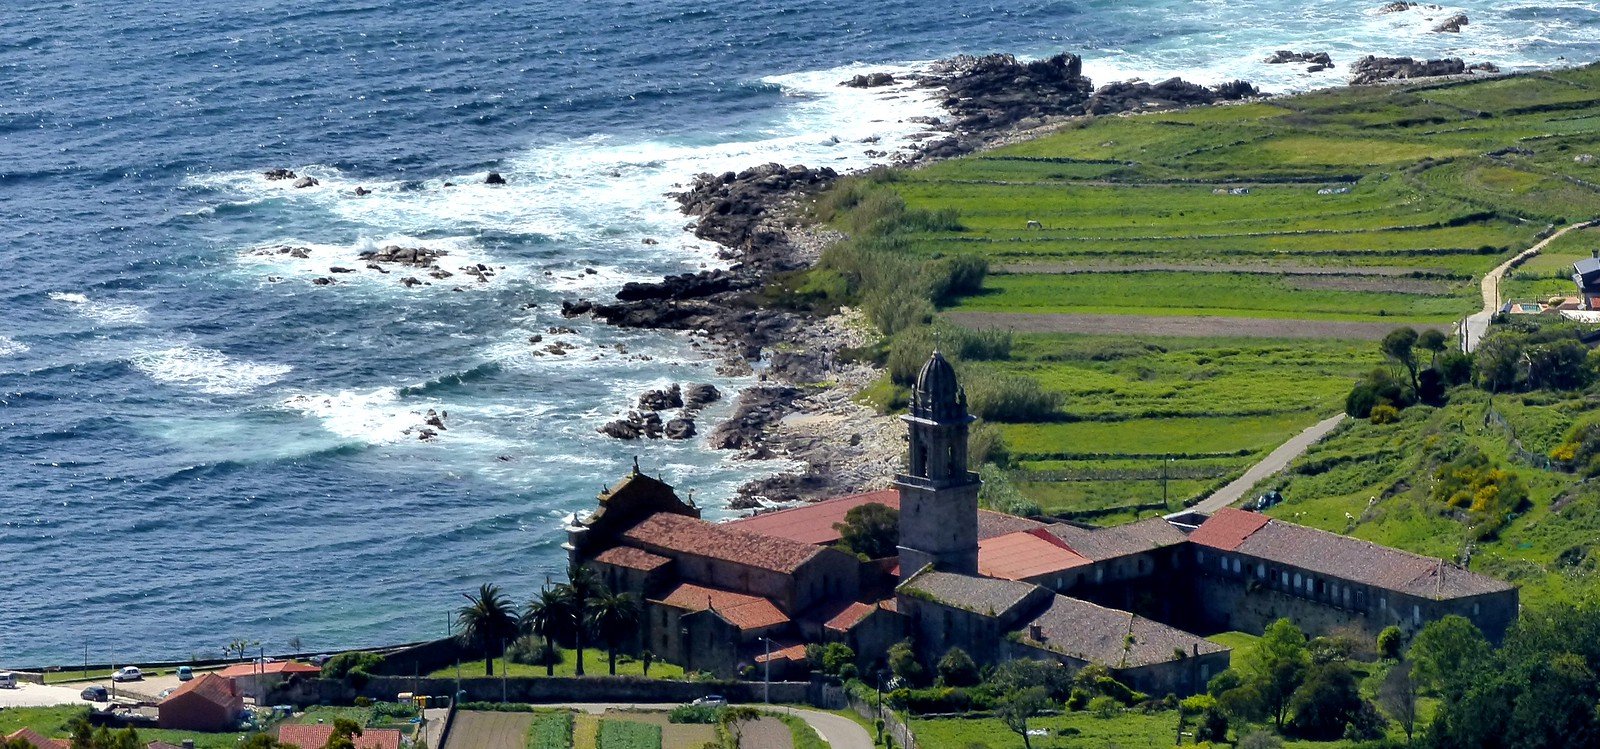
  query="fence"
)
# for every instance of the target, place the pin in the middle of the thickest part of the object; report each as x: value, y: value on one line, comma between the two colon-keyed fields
x: 1492, y: 417
x: 895, y: 727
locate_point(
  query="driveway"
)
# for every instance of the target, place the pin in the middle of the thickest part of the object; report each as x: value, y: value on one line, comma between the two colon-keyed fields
x: 39, y: 695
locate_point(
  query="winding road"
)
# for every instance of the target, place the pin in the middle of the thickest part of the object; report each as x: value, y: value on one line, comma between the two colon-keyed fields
x: 1477, y: 325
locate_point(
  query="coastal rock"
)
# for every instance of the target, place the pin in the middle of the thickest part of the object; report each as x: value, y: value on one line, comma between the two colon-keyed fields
x: 339, y: 269
x: 418, y: 256
x: 1372, y: 69
x: 277, y: 174
x: 1396, y: 7
x: 1284, y: 56
x: 323, y: 281
x: 730, y: 206
x: 700, y: 395
x: 621, y: 429
x: 657, y: 400
x: 1128, y: 96
x: 409, y: 282
x: 494, y: 178
x: 362, y: 190
x: 870, y: 80
x: 682, y: 286
x: 680, y: 429
x: 305, y: 182
x: 759, y: 408
x: 1452, y: 25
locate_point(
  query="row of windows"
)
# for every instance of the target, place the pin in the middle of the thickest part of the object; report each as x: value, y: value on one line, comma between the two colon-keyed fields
x: 1324, y: 590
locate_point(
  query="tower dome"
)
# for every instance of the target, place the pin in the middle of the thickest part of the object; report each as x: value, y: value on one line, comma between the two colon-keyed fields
x: 937, y: 396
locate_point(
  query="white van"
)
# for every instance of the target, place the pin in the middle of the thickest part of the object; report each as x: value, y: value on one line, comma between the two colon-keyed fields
x: 8, y: 680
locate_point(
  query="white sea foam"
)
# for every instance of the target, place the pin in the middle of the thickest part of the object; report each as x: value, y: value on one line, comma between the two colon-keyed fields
x: 461, y: 253
x: 105, y: 313
x: 206, y: 370
x: 11, y: 346
x: 373, y: 417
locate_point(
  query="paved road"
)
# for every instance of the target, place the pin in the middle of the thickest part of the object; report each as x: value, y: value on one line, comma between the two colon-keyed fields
x: 1478, y: 323
x: 1275, y: 461
x: 840, y: 732
x: 39, y: 695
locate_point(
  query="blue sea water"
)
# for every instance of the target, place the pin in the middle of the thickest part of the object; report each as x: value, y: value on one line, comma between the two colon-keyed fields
x: 199, y: 444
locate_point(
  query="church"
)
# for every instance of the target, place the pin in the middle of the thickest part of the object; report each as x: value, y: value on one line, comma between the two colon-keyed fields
x: 722, y: 597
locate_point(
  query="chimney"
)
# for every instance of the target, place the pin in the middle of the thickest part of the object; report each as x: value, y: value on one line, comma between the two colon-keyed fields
x: 1036, y: 633
x: 1196, y: 647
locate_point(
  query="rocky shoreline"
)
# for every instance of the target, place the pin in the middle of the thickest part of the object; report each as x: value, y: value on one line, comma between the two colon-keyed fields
x: 803, y: 407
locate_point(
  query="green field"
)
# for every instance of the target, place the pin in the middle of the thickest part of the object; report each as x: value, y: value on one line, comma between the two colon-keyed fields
x: 1382, y: 206
x: 51, y: 722
x: 594, y: 664
x: 625, y: 734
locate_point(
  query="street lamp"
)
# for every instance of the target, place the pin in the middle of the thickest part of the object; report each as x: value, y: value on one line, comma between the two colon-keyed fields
x: 766, y: 677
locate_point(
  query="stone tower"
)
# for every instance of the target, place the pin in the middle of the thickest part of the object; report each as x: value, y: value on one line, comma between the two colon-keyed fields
x: 938, y: 495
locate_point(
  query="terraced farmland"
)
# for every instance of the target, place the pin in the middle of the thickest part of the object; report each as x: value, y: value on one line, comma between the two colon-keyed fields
x: 1204, y: 284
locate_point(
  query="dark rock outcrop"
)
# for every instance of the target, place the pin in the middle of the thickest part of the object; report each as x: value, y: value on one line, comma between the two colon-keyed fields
x: 1129, y: 96
x: 277, y: 174
x: 700, y: 395
x: 759, y: 409
x: 683, y: 286
x: 1397, y: 7
x: 362, y: 190
x: 730, y: 206
x: 1284, y: 56
x: 657, y: 400
x: 1371, y: 69
x: 305, y: 182
x: 419, y: 256
x: 1452, y: 25
x: 870, y: 80
x: 494, y: 178
x: 679, y: 429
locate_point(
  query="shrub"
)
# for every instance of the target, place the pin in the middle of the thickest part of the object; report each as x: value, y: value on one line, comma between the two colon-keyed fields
x: 1384, y: 414
x: 533, y: 650
x: 999, y: 494
x: 1488, y: 494
x: 1389, y: 642
x: 1009, y: 398
x: 699, y: 714
x: 1078, y: 699
x: 394, y: 710
x: 1104, y: 707
x: 354, y: 668
x: 985, y: 444
x: 957, y: 669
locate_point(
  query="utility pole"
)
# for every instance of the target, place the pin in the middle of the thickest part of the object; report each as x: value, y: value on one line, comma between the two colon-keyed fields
x: 766, y: 677
x: 1165, y: 462
x: 504, y: 664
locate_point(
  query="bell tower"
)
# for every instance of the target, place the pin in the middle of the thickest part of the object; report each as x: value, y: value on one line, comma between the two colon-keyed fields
x: 938, y: 495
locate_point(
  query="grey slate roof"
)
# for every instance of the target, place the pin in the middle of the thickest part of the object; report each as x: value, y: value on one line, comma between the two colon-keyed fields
x: 1099, y: 544
x: 1097, y: 634
x: 979, y: 595
x: 1367, y: 563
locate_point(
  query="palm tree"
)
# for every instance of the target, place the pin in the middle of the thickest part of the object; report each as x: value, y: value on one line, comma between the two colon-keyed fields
x: 548, y: 616
x: 582, y: 589
x: 487, y: 621
x: 614, y: 616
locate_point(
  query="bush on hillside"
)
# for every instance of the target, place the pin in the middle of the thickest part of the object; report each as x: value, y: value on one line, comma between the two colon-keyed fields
x: 1488, y: 494
x: 1009, y: 398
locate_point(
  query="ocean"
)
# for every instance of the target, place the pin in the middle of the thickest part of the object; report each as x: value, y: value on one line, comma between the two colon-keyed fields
x: 201, y: 444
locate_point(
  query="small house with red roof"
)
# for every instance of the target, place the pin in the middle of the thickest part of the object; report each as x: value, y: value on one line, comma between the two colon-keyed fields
x: 316, y: 735
x: 209, y: 702
x: 253, y: 680
x: 36, y: 740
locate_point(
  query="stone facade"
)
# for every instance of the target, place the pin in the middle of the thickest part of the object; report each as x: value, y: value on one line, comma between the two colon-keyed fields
x: 938, y: 495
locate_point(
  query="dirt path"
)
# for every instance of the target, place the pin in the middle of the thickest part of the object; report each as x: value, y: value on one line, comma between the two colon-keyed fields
x: 1177, y: 325
x: 1478, y: 323
x: 765, y: 733
x: 484, y: 730
x: 1275, y: 461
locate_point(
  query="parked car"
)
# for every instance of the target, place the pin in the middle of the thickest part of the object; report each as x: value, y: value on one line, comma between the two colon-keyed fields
x: 8, y: 680
x: 96, y: 693
x: 712, y: 700
x: 185, y: 673
x: 128, y: 673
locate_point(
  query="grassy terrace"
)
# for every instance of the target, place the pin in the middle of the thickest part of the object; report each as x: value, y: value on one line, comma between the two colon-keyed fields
x: 1204, y: 284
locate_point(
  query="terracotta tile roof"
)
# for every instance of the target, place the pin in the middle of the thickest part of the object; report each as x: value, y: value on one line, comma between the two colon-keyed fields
x: 1097, y: 634
x: 1364, y: 562
x: 315, y: 735
x: 211, y: 687
x: 1100, y: 544
x: 890, y: 604
x: 631, y: 558
x: 1025, y: 554
x: 275, y: 667
x: 667, y: 533
x: 849, y: 616
x: 979, y: 595
x: 36, y: 740
x: 1228, y: 528
x: 813, y: 523
x: 795, y: 652
x: 740, y: 610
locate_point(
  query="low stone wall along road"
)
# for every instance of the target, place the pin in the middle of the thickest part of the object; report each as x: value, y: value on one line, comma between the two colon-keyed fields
x: 1197, y: 326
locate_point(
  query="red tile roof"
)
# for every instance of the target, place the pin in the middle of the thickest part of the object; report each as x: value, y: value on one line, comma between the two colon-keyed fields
x: 813, y: 523
x: 667, y: 532
x: 795, y: 652
x: 274, y: 667
x: 211, y: 687
x: 314, y: 736
x: 1026, y: 554
x: 849, y: 616
x: 37, y: 741
x: 631, y: 558
x: 740, y: 610
x: 1228, y: 528
x: 161, y: 745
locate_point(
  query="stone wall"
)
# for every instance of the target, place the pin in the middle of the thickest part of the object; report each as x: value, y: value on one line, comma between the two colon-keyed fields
x: 621, y: 689
x: 425, y: 658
